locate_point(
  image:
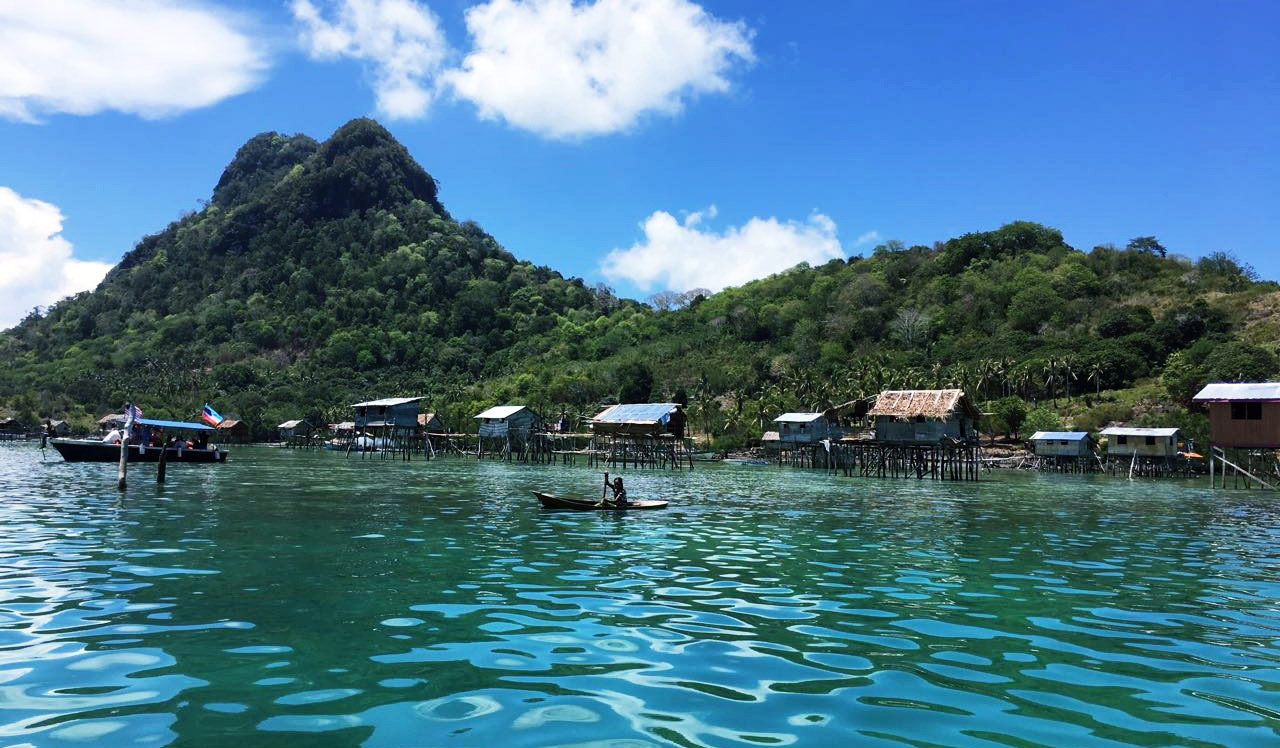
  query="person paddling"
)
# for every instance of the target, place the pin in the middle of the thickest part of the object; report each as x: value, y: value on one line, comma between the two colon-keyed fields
x: 619, y: 493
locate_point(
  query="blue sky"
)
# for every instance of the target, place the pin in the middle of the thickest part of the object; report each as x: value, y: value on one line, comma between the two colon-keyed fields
x: 656, y: 144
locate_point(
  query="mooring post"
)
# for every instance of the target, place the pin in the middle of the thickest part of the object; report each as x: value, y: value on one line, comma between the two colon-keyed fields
x: 124, y: 461
x: 164, y: 451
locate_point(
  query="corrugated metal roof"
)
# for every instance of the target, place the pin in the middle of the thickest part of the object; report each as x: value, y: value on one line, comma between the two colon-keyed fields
x: 290, y: 424
x: 501, y: 411
x: 636, y: 413
x: 387, y: 402
x: 1242, y: 391
x: 1070, y: 436
x: 174, y: 424
x: 798, y: 417
x: 771, y: 436
x: 1137, y: 431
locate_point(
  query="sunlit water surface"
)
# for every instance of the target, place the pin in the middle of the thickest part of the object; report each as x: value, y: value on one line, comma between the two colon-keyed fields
x: 291, y: 598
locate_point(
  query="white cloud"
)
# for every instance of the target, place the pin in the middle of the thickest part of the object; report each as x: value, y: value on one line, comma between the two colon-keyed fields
x: 37, y: 262
x: 567, y: 70
x: 153, y: 58
x: 400, y: 40
x: 680, y: 256
x: 867, y: 238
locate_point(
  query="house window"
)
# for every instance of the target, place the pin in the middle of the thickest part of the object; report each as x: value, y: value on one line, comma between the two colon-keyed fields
x: 1151, y: 440
x: 1063, y: 442
x: 1246, y: 411
x: 1122, y: 440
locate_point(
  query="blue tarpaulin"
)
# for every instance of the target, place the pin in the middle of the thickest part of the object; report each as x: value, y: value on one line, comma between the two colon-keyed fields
x: 174, y: 424
x: 637, y: 413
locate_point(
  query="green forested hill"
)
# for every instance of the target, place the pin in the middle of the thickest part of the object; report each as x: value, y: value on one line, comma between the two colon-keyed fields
x: 323, y: 272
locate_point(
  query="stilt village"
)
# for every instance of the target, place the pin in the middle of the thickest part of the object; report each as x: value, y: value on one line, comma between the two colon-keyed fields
x: 902, y: 434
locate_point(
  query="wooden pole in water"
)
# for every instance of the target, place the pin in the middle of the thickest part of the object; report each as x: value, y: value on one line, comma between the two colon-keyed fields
x: 124, y: 450
x: 164, y: 451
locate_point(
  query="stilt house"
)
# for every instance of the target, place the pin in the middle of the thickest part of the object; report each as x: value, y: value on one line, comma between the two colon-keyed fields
x: 1244, y: 432
x: 1243, y: 416
x: 1062, y: 443
x: 428, y: 423
x: 640, y: 419
x: 232, y: 430
x: 388, y: 413
x: 805, y: 428
x: 292, y: 429
x: 503, y: 421
x: 924, y: 416
x: 1127, y: 441
x: 60, y: 428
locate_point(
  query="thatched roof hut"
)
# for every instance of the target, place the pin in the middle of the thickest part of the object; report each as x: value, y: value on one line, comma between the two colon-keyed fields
x: 924, y: 415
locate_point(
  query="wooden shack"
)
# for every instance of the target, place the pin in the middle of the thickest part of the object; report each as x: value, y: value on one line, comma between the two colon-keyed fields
x: 924, y: 416
x: 507, y: 432
x: 290, y: 429
x: 641, y: 435
x: 428, y: 423
x: 1061, y: 444
x: 1126, y: 441
x: 640, y: 419
x: 1243, y: 416
x: 506, y: 420
x: 804, y: 428
x: 916, y: 434
x: 60, y: 428
x: 295, y: 433
x: 390, y: 422
x: 1244, y: 432
x: 233, y: 430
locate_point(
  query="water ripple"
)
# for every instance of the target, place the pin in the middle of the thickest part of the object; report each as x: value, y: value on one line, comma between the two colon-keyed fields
x: 293, y: 596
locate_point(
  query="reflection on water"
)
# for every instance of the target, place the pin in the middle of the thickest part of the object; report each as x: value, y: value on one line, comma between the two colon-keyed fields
x: 291, y: 598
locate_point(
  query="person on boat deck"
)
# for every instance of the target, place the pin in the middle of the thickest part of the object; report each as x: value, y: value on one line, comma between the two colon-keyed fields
x: 619, y: 493
x: 113, y: 437
x: 202, y: 441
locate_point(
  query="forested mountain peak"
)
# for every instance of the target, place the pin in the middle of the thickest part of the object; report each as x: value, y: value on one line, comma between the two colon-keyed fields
x: 323, y: 272
x: 260, y: 163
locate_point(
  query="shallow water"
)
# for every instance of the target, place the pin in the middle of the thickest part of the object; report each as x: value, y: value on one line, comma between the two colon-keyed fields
x: 291, y: 598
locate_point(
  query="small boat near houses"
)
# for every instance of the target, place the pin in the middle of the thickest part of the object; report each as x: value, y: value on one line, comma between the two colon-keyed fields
x: 549, y: 501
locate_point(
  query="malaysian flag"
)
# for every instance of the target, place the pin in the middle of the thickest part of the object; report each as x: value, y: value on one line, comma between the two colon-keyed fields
x: 211, y: 416
x: 132, y: 413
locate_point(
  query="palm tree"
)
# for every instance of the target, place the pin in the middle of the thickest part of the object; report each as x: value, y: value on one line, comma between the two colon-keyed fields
x: 1095, y: 372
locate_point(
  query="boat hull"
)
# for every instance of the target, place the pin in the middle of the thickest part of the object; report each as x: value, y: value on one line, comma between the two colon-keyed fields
x: 89, y: 450
x: 549, y: 501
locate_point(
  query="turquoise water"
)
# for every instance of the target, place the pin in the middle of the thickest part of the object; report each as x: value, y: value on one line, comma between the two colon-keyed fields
x: 288, y: 599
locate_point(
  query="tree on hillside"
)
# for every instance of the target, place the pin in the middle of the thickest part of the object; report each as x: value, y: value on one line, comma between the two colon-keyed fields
x: 911, y: 327
x: 1042, y: 419
x: 1146, y: 244
x: 1008, y: 413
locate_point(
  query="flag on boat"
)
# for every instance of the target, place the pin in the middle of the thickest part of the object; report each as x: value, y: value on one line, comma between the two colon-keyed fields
x: 132, y: 413
x: 211, y: 416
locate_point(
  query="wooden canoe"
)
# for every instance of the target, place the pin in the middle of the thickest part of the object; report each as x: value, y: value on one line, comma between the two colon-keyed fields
x: 583, y: 505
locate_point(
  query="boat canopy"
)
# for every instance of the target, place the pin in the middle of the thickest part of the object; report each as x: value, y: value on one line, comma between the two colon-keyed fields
x: 174, y: 424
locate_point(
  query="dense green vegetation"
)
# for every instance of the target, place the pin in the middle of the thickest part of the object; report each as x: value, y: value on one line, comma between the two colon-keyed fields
x: 322, y: 273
